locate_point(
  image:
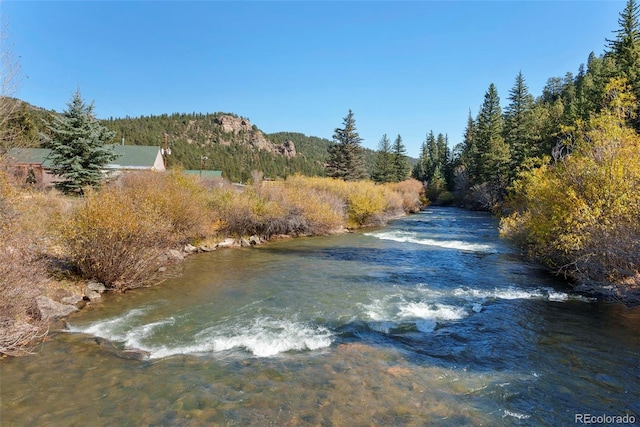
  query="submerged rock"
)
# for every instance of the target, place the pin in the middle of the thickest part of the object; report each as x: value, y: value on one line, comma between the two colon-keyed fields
x: 111, y: 347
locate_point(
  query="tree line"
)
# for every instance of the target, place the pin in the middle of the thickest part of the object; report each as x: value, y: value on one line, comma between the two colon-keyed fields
x: 498, y: 145
x: 563, y: 169
x: 348, y: 161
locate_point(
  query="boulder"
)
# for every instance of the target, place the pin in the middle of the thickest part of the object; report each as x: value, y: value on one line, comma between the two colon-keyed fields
x: 50, y: 309
x: 75, y: 300
x: 96, y: 287
x: 189, y: 249
x: 244, y: 243
x: 206, y: 248
x: 227, y: 243
x: 175, y: 255
x: 59, y: 294
x: 255, y: 240
x: 92, y: 295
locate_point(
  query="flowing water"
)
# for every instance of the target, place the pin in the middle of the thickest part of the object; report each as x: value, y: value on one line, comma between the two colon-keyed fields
x: 429, y: 321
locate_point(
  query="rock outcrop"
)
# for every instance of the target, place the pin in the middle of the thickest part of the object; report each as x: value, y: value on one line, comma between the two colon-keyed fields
x: 239, y: 126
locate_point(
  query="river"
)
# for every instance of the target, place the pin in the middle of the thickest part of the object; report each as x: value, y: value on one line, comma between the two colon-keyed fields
x: 432, y: 320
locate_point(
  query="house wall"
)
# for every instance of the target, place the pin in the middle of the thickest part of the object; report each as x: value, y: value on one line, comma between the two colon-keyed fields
x: 159, y: 163
x: 20, y: 173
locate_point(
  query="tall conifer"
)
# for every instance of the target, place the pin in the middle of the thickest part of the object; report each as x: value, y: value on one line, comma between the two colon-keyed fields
x: 400, y: 163
x: 470, y: 157
x: 625, y: 49
x: 78, y: 150
x: 493, y: 151
x: 383, y: 169
x: 518, y: 124
x: 346, y: 159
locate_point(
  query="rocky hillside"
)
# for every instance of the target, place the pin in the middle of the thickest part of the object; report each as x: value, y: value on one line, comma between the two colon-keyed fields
x: 220, y: 141
x: 216, y: 141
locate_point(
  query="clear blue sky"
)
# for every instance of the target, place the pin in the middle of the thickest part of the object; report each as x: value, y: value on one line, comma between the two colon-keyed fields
x: 403, y: 67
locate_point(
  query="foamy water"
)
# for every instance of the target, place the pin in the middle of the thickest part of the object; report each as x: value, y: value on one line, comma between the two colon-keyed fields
x: 430, y: 321
x: 411, y: 237
x: 265, y: 337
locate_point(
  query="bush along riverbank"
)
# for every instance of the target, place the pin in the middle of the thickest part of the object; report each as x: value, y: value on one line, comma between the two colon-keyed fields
x: 62, y: 253
x: 578, y: 215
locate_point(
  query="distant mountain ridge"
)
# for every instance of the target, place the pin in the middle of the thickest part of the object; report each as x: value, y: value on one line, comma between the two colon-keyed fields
x: 214, y: 141
x: 226, y: 142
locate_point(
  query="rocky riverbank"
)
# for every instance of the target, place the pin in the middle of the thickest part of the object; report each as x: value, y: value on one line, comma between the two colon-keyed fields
x: 64, y: 301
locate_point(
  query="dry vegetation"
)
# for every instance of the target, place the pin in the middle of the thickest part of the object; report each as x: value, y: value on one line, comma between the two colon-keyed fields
x: 119, y: 235
x: 25, y: 260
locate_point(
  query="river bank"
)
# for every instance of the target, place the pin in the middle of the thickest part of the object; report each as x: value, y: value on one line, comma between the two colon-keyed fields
x: 430, y: 320
x: 134, y: 232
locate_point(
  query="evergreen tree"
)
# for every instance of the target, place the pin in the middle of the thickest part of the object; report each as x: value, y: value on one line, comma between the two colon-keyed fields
x: 434, y: 167
x: 419, y: 170
x: 400, y: 163
x: 384, y: 167
x: 493, y: 151
x: 625, y: 49
x: 78, y: 150
x: 444, y: 162
x: 469, y: 156
x: 345, y: 154
x: 518, y: 124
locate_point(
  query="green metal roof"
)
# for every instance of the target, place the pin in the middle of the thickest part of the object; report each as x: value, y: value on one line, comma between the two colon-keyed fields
x: 35, y: 156
x: 134, y: 156
x: 204, y: 173
x: 129, y: 156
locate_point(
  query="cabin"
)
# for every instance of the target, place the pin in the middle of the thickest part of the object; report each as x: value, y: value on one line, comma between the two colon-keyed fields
x: 33, y: 166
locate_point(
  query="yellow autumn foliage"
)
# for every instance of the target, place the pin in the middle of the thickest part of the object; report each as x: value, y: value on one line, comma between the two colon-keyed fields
x: 581, y: 214
x: 117, y: 233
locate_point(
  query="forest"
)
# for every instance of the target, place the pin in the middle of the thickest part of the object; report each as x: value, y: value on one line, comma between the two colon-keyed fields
x: 500, y: 145
x: 561, y: 169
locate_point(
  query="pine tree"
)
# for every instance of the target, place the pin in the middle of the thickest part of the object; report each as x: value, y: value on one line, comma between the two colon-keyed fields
x: 384, y: 168
x: 494, y: 152
x: 469, y: 156
x: 419, y: 170
x: 625, y: 48
x: 400, y: 163
x: 518, y: 124
x: 444, y: 157
x: 78, y: 150
x: 346, y: 159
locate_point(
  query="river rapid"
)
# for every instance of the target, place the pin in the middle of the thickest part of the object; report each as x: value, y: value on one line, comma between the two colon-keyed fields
x: 432, y: 320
